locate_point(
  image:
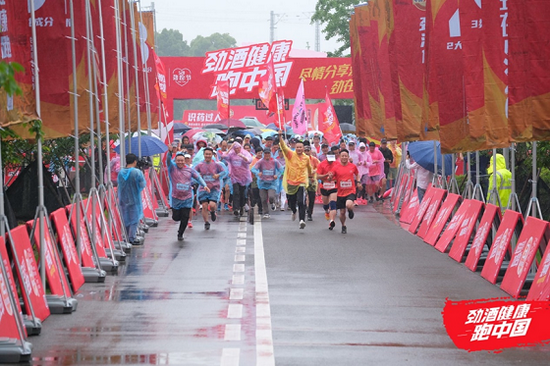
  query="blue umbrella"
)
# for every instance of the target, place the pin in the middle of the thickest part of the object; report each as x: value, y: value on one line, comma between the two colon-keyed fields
x: 149, y: 146
x: 272, y: 126
x: 423, y: 153
x: 180, y: 127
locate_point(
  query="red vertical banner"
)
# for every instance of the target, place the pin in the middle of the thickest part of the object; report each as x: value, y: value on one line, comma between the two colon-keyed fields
x: 528, y: 27
x: 223, y: 99
x: 8, y: 324
x: 330, y: 127
x: 111, y: 60
x: 146, y: 41
x: 360, y: 118
x: 490, y: 214
x: 15, y: 34
x: 409, y: 52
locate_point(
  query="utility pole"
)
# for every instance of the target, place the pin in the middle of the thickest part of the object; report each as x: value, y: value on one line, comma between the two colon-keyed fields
x: 317, y: 36
x: 272, y: 27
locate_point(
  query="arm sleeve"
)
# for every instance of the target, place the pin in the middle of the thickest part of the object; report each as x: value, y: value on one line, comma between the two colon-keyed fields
x: 286, y: 151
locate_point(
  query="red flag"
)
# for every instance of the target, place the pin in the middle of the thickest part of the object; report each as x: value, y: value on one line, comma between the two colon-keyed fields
x: 267, y: 88
x: 223, y: 99
x: 160, y: 84
x: 330, y: 126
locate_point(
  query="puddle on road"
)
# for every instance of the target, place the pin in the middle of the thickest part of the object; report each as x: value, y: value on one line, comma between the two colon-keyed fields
x: 120, y: 295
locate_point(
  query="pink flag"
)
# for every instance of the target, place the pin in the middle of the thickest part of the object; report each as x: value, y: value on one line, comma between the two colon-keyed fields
x: 330, y: 127
x: 299, y: 120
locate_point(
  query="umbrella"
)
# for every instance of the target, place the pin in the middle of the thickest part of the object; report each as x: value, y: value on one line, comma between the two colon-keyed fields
x: 180, y: 127
x: 272, y: 126
x: 347, y: 127
x: 149, y: 146
x: 255, y: 130
x: 231, y: 122
x: 209, y: 136
x: 189, y: 134
x: 252, y: 122
x: 423, y: 153
x: 268, y: 132
x: 218, y: 126
x: 242, y: 133
x: 312, y: 133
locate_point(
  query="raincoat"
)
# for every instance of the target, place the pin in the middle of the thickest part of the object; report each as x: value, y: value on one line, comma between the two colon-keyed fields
x: 239, y: 170
x: 207, y: 172
x: 269, y: 169
x: 181, y: 181
x: 378, y: 168
x: 131, y: 182
x: 297, y: 171
x: 504, y: 181
x: 364, y: 164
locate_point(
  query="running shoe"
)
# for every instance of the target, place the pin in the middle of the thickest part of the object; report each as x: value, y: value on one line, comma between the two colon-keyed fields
x: 327, y: 216
x: 190, y: 225
x: 242, y: 211
x: 246, y: 207
x: 226, y: 207
x: 236, y: 213
x: 213, y: 215
x: 344, y: 230
x: 302, y: 224
x: 331, y: 225
x: 371, y: 200
x: 294, y: 216
x: 180, y: 237
x: 272, y: 207
x: 351, y: 214
x: 207, y: 226
x: 309, y: 218
x: 266, y: 216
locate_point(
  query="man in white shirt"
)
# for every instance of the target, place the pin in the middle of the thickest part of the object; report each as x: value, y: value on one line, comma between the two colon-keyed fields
x: 423, y: 177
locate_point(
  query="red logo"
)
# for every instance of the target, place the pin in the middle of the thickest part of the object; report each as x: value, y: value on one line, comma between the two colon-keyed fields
x: 181, y: 76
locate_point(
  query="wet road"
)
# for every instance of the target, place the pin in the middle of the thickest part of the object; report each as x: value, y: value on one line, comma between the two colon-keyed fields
x: 371, y: 297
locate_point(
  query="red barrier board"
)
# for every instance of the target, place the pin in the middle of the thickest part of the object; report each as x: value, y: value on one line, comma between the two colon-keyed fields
x: 540, y: 289
x: 435, y: 204
x: 490, y: 215
x: 534, y: 231
x: 86, y: 253
x: 450, y: 231
x: 400, y: 192
x: 55, y: 279
x: 28, y: 274
x: 501, y: 244
x: 153, y: 201
x: 441, y: 219
x: 421, y: 210
x: 96, y: 231
x: 8, y: 323
x: 148, y: 211
x: 106, y: 236
x: 410, y: 207
x: 465, y: 230
x: 117, y: 220
x: 70, y: 256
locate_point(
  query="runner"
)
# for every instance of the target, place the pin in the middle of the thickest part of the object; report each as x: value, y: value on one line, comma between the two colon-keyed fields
x: 376, y: 178
x: 181, y: 176
x: 328, y: 187
x: 239, y: 161
x: 213, y: 173
x: 267, y: 171
x: 363, y: 169
x: 347, y: 178
x: 312, y: 188
x: 296, y: 178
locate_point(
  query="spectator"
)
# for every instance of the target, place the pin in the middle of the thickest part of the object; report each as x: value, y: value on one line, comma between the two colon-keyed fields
x: 131, y: 182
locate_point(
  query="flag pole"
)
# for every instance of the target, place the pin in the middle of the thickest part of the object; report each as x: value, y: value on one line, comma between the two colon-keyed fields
x: 133, y: 30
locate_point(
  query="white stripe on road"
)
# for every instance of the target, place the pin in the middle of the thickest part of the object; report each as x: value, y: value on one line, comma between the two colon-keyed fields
x: 235, y: 311
x: 241, y: 241
x: 264, y: 336
x: 232, y: 332
x: 238, y: 280
x: 238, y: 268
x: 230, y: 357
x: 236, y: 294
x: 239, y: 258
x: 241, y: 235
x: 240, y: 250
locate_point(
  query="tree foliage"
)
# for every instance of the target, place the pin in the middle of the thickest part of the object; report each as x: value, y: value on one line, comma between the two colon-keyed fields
x: 169, y: 42
x: 334, y: 16
x: 200, y: 45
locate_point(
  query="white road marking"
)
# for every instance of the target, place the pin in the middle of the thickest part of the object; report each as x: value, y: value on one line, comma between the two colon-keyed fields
x: 238, y: 280
x: 236, y: 294
x: 235, y: 311
x: 241, y: 241
x: 238, y: 268
x: 232, y: 332
x: 264, y: 336
x: 241, y: 235
x: 240, y: 250
x: 239, y: 258
x: 230, y: 357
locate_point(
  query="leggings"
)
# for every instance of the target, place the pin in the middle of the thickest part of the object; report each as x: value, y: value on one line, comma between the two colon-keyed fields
x: 310, y: 202
x: 299, y: 198
x: 181, y: 215
x: 239, y: 196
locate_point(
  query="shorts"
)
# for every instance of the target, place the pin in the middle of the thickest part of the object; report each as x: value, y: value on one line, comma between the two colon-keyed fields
x: 213, y: 196
x: 374, y: 179
x: 327, y: 193
x: 393, y: 174
x: 341, y: 201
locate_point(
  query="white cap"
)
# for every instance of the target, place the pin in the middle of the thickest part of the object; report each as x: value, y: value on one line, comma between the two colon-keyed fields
x: 362, y: 144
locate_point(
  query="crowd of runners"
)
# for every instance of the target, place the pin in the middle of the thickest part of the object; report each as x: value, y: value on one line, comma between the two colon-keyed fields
x: 273, y: 174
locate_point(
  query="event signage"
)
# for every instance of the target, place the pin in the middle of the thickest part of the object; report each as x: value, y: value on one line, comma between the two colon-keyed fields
x: 491, y: 213
x: 95, y: 234
x: 451, y: 229
x: 8, y: 323
x: 435, y: 203
x: 85, y: 245
x: 441, y: 219
x: 466, y: 229
x: 260, y: 106
x: 534, y: 231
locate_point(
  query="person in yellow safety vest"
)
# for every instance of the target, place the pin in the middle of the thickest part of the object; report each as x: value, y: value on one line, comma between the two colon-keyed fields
x: 504, y: 181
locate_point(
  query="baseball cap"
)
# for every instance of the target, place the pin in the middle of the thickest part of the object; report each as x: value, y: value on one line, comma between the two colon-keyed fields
x: 383, y: 141
x: 187, y: 156
x: 267, y: 150
x: 351, y: 142
x: 362, y: 144
x: 372, y: 143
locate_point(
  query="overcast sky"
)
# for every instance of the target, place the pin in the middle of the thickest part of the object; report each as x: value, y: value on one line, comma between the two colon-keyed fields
x: 246, y: 21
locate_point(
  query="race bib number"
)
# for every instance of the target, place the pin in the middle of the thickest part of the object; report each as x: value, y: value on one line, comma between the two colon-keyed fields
x: 268, y: 172
x: 329, y: 185
x: 346, y: 184
x: 237, y: 162
x: 182, y: 186
x: 208, y: 178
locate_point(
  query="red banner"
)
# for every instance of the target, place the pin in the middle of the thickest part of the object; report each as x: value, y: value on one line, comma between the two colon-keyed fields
x: 8, y: 325
x: 16, y: 47
x: 85, y: 244
x: 330, y: 126
x: 223, y: 99
x: 491, y: 213
x: 28, y: 274
x: 491, y: 325
x: 362, y: 113
x: 95, y: 235
x: 529, y: 70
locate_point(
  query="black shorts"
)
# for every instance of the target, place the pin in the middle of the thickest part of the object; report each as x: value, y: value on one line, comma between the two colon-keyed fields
x: 341, y: 201
x: 327, y: 193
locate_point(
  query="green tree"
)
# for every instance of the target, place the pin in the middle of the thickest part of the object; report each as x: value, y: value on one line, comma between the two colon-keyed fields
x: 334, y: 15
x: 169, y: 42
x: 200, y: 45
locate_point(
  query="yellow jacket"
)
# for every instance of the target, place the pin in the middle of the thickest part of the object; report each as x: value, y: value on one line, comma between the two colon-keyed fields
x: 297, y: 169
x: 504, y: 181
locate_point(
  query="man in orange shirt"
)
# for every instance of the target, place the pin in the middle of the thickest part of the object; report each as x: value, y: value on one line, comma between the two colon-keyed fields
x: 298, y: 171
x: 347, y: 181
